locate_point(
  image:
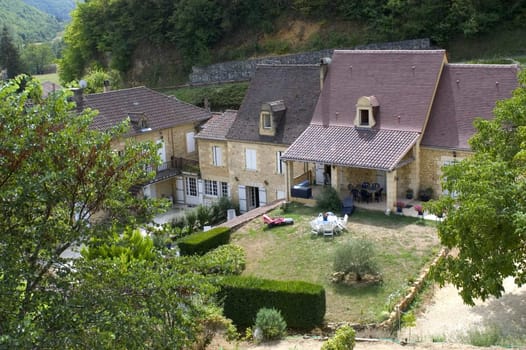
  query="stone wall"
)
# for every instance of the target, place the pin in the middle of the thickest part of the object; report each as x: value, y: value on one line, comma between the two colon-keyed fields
x: 244, y: 70
x: 432, y: 160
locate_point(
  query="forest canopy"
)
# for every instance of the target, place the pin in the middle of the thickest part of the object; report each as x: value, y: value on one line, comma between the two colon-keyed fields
x: 107, y: 33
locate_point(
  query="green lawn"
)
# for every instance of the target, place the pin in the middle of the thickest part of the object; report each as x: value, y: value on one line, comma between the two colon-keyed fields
x: 53, y: 77
x: 404, y: 245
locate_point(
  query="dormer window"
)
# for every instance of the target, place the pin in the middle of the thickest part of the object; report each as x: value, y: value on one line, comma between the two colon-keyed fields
x: 366, y: 109
x: 269, y: 117
x: 139, y: 121
x: 266, y: 120
x: 364, y: 117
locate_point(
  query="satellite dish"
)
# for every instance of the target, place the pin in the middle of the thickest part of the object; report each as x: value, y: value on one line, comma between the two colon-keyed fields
x: 83, y: 84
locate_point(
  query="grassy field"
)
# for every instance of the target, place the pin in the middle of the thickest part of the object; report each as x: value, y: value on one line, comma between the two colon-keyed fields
x: 53, y: 77
x: 403, y: 245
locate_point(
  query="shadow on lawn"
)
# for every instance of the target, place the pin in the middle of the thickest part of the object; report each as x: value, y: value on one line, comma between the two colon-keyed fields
x: 393, y: 221
x: 358, y: 289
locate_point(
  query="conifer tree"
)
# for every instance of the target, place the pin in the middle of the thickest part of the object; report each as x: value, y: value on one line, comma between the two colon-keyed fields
x: 9, y: 55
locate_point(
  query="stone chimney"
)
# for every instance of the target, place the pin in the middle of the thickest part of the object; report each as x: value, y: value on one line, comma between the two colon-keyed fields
x: 78, y: 98
x: 324, y: 67
x: 107, y: 86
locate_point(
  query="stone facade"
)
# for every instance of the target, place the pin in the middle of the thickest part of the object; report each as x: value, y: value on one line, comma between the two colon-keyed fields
x: 265, y: 177
x: 432, y: 160
x: 175, y: 146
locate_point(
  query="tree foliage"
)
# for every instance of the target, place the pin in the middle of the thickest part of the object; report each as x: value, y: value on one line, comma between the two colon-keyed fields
x: 62, y: 185
x: 9, y: 55
x: 27, y: 22
x: 485, y: 221
x: 108, y: 33
x: 356, y: 256
x: 57, y: 8
x: 37, y: 57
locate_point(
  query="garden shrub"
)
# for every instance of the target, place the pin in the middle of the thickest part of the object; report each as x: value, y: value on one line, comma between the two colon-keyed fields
x: 302, y: 304
x: 202, y: 242
x: 329, y: 200
x: 191, y: 220
x: 357, y: 256
x: 227, y: 259
x: 203, y: 214
x: 271, y: 324
x: 344, y: 339
x: 179, y: 221
x: 219, y: 210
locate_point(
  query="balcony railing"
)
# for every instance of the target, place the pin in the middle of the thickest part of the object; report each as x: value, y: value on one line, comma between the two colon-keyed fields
x: 174, y: 167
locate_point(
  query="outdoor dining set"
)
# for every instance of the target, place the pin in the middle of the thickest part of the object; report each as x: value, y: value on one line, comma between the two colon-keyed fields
x: 328, y: 224
x: 366, y: 192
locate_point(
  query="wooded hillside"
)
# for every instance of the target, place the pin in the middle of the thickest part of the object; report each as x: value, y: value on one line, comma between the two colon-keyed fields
x: 157, y: 41
x: 57, y: 8
x: 27, y: 23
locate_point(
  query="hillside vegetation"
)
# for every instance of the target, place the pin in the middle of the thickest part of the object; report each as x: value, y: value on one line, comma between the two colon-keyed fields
x: 27, y: 23
x: 157, y: 41
x: 57, y: 8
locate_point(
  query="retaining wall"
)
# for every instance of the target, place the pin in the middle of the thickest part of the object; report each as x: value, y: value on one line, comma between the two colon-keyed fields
x: 243, y: 70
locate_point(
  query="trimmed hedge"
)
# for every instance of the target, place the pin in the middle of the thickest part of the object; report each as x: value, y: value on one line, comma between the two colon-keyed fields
x: 202, y: 242
x: 302, y: 304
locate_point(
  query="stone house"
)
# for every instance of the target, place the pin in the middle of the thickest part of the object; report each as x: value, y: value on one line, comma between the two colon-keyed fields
x: 214, y: 158
x: 162, y: 119
x: 395, y: 117
x: 277, y: 108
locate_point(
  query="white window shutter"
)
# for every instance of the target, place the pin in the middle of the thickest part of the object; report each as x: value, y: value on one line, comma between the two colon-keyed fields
x: 262, y: 196
x: 179, y: 190
x: 250, y: 159
x: 242, y: 198
x: 190, y: 142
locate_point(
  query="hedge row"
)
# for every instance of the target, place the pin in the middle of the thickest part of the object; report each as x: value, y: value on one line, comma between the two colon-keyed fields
x: 202, y: 242
x: 302, y: 304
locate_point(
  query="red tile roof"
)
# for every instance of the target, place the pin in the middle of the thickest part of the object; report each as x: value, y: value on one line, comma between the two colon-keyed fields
x: 161, y: 111
x: 352, y: 147
x: 403, y: 82
x: 466, y: 91
x: 217, y: 127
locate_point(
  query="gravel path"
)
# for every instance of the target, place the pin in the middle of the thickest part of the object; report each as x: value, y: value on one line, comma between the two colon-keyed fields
x: 447, y: 317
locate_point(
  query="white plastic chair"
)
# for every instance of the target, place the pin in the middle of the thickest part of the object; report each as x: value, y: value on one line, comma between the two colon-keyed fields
x: 328, y: 230
x: 315, y: 228
x: 342, y: 223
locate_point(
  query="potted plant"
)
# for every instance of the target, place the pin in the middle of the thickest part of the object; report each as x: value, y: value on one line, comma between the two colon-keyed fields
x: 409, y: 193
x: 399, y: 206
x: 420, y: 210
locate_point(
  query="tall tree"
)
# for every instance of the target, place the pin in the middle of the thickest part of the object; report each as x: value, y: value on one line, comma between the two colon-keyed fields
x: 9, y: 55
x: 61, y: 184
x: 485, y: 219
x: 37, y: 57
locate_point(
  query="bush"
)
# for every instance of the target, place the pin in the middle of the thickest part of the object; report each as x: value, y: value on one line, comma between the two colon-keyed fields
x: 302, y: 304
x: 342, y: 340
x: 202, y: 242
x: 203, y: 214
x: 191, y: 220
x: 329, y: 200
x: 227, y: 259
x: 483, y: 337
x: 271, y: 324
x: 357, y: 256
x: 219, y: 210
